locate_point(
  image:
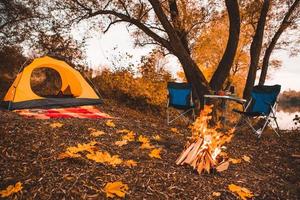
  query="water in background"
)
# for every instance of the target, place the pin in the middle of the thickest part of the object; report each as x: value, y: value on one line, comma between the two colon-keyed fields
x: 285, y: 117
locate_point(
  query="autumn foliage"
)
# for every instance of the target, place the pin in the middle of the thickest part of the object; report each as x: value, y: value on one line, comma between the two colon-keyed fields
x: 147, y: 86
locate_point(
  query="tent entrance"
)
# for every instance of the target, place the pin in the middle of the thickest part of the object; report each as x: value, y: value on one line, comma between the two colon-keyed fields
x: 45, y: 82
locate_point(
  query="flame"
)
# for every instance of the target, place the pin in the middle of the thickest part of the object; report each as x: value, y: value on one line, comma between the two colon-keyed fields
x: 203, y: 151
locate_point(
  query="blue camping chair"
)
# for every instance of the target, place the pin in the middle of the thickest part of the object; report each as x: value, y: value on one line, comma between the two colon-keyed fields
x: 180, y: 98
x: 262, y: 104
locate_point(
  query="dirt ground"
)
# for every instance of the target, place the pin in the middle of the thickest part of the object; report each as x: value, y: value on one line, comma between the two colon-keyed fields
x: 30, y: 148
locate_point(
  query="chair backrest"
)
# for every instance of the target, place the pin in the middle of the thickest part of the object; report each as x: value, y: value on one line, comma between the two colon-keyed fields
x: 263, y: 98
x: 180, y: 95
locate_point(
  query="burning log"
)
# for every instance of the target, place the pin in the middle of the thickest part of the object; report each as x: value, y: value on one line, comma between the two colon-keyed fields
x: 203, y: 152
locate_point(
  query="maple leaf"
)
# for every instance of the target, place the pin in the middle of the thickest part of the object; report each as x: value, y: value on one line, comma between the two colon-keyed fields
x: 246, y: 158
x: 143, y: 139
x: 235, y: 161
x: 117, y: 188
x: 174, y: 130
x: 97, y: 133
x: 155, y: 153
x: 130, y: 163
x: 110, y: 123
x: 244, y: 193
x: 68, y: 154
x: 123, y: 131
x: 11, y: 189
x: 129, y: 136
x: 156, y: 137
x: 56, y: 125
x: 90, y: 147
x: 121, y: 143
x: 146, y: 146
x: 104, y: 157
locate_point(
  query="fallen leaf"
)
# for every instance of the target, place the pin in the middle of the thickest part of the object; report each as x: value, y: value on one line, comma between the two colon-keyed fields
x: 242, y: 192
x: 129, y: 136
x: 123, y: 131
x: 155, y: 153
x: 216, y: 194
x: 110, y: 123
x: 235, y: 161
x: 11, y: 189
x: 104, y: 157
x: 143, y: 139
x: 156, y: 137
x: 115, y: 189
x: 121, y: 143
x: 56, y: 125
x: 72, y: 152
x: 130, y: 163
x: 246, y: 158
x: 90, y: 147
x: 147, y: 146
x: 174, y: 130
x: 97, y: 133
x: 68, y: 154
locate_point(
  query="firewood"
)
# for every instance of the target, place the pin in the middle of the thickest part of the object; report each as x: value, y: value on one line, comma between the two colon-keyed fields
x: 184, y: 154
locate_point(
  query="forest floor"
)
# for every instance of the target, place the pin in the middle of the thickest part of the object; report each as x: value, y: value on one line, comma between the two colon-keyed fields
x: 30, y: 149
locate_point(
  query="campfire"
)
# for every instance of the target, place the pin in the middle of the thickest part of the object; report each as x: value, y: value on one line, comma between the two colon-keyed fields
x: 204, y: 149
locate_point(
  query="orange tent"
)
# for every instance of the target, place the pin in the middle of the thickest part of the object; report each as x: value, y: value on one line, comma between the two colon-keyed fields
x: 20, y: 94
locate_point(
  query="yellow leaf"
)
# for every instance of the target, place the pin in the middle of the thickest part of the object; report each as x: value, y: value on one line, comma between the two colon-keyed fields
x: 121, y: 143
x: 155, y: 153
x: 216, y: 194
x: 104, y: 157
x: 143, y: 139
x: 129, y: 136
x: 91, y: 129
x: 146, y: 146
x: 68, y: 154
x: 246, y: 158
x: 11, y: 189
x: 110, y: 123
x: 130, y: 163
x: 235, y: 161
x: 115, y: 189
x: 56, y: 125
x: 174, y: 130
x: 156, y: 137
x: 244, y: 193
x: 90, y: 147
x: 123, y: 131
x: 96, y: 133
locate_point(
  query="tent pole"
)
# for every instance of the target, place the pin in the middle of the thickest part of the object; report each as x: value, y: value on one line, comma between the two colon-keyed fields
x: 20, y: 69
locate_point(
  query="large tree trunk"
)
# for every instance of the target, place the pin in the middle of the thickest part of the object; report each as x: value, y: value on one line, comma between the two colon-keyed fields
x: 255, y: 49
x: 226, y: 62
x: 181, y: 50
x: 283, y: 26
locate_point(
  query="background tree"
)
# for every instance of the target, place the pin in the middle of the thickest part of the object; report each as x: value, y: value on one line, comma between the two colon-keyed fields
x: 255, y: 49
x: 289, y: 21
x: 172, y: 24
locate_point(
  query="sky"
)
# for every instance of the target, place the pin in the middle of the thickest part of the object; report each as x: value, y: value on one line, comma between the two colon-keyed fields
x: 102, y: 49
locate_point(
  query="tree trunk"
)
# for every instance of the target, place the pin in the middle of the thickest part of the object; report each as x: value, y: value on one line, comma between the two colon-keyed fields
x: 283, y: 26
x: 226, y: 62
x: 255, y: 49
x: 181, y: 50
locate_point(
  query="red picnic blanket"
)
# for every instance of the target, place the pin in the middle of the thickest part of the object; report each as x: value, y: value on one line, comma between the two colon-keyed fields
x: 90, y: 112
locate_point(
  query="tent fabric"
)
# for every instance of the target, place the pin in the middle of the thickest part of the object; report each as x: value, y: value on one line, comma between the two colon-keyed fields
x: 82, y: 112
x: 20, y: 94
